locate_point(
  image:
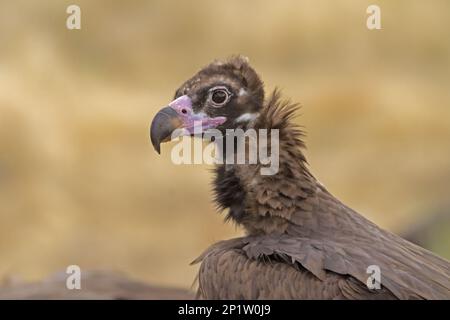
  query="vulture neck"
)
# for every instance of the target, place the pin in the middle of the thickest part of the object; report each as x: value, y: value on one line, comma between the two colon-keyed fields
x: 266, y: 203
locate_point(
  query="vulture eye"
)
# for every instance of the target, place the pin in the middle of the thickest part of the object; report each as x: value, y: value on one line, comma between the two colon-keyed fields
x: 219, y: 96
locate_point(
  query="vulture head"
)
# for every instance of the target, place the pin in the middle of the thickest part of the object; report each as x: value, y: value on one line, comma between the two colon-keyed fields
x: 223, y: 95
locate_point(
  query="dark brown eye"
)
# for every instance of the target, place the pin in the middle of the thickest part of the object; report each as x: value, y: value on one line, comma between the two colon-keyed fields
x: 219, y: 96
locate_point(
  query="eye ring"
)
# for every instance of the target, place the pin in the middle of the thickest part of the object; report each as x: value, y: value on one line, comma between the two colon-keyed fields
x: 219, y: 96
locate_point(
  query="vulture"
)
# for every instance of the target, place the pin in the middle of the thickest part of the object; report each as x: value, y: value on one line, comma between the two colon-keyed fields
x: 300, y: 241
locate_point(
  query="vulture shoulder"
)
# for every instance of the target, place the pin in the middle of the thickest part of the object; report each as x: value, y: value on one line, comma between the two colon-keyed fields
x: 260, y: 268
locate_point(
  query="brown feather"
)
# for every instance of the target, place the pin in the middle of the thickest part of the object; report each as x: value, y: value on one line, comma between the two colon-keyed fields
x: 292, y: 220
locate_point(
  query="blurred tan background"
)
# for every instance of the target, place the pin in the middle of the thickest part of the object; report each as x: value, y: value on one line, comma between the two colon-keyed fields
x: 81, y: 184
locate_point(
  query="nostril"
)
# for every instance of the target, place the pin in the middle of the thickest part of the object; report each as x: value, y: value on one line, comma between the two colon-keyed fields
x: 183, y: 111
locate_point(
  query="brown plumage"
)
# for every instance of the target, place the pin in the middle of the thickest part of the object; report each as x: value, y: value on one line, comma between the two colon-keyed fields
x: 302, y: 242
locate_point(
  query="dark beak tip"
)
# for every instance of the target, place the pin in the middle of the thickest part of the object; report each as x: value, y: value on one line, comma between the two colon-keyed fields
x: 155, y: 141
x: 162, y: 126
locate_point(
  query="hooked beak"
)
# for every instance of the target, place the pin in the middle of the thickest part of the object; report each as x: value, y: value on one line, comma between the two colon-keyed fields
x: 179, y: 115
x: 163, y: 124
